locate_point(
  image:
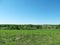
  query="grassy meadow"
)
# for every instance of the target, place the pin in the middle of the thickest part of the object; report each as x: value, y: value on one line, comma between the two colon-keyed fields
x: 29, y: 37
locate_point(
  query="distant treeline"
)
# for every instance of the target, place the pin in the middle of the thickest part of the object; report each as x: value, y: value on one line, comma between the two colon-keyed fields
x: 28, y: 27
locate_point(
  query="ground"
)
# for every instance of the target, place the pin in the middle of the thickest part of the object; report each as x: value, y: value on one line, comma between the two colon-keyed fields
x: 29, y: 37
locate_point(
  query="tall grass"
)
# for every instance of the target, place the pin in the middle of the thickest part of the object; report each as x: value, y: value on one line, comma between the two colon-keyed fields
x: 29, y: 37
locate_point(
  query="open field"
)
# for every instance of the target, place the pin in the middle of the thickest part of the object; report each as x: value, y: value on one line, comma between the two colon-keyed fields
x: 29, y: 37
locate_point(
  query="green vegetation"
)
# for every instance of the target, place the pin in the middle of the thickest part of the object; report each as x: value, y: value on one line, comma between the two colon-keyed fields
x: 29, y: 37
x: 28, y: 27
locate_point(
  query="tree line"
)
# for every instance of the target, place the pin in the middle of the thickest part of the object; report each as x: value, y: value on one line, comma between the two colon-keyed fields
x: 28, y: 27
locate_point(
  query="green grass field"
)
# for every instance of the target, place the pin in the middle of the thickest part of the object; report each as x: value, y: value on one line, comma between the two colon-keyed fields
x: 29, y: 37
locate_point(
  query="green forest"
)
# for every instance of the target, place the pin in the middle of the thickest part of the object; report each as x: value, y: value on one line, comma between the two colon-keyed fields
x: 28, y: 27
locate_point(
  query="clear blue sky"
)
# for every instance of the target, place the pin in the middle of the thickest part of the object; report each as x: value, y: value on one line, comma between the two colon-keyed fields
x: 29, y: 11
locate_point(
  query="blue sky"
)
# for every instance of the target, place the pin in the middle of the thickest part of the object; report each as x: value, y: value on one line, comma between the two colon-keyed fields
x: 29, y: 11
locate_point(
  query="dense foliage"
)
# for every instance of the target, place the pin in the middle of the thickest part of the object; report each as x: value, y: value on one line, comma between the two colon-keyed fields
x: 28, y: 27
